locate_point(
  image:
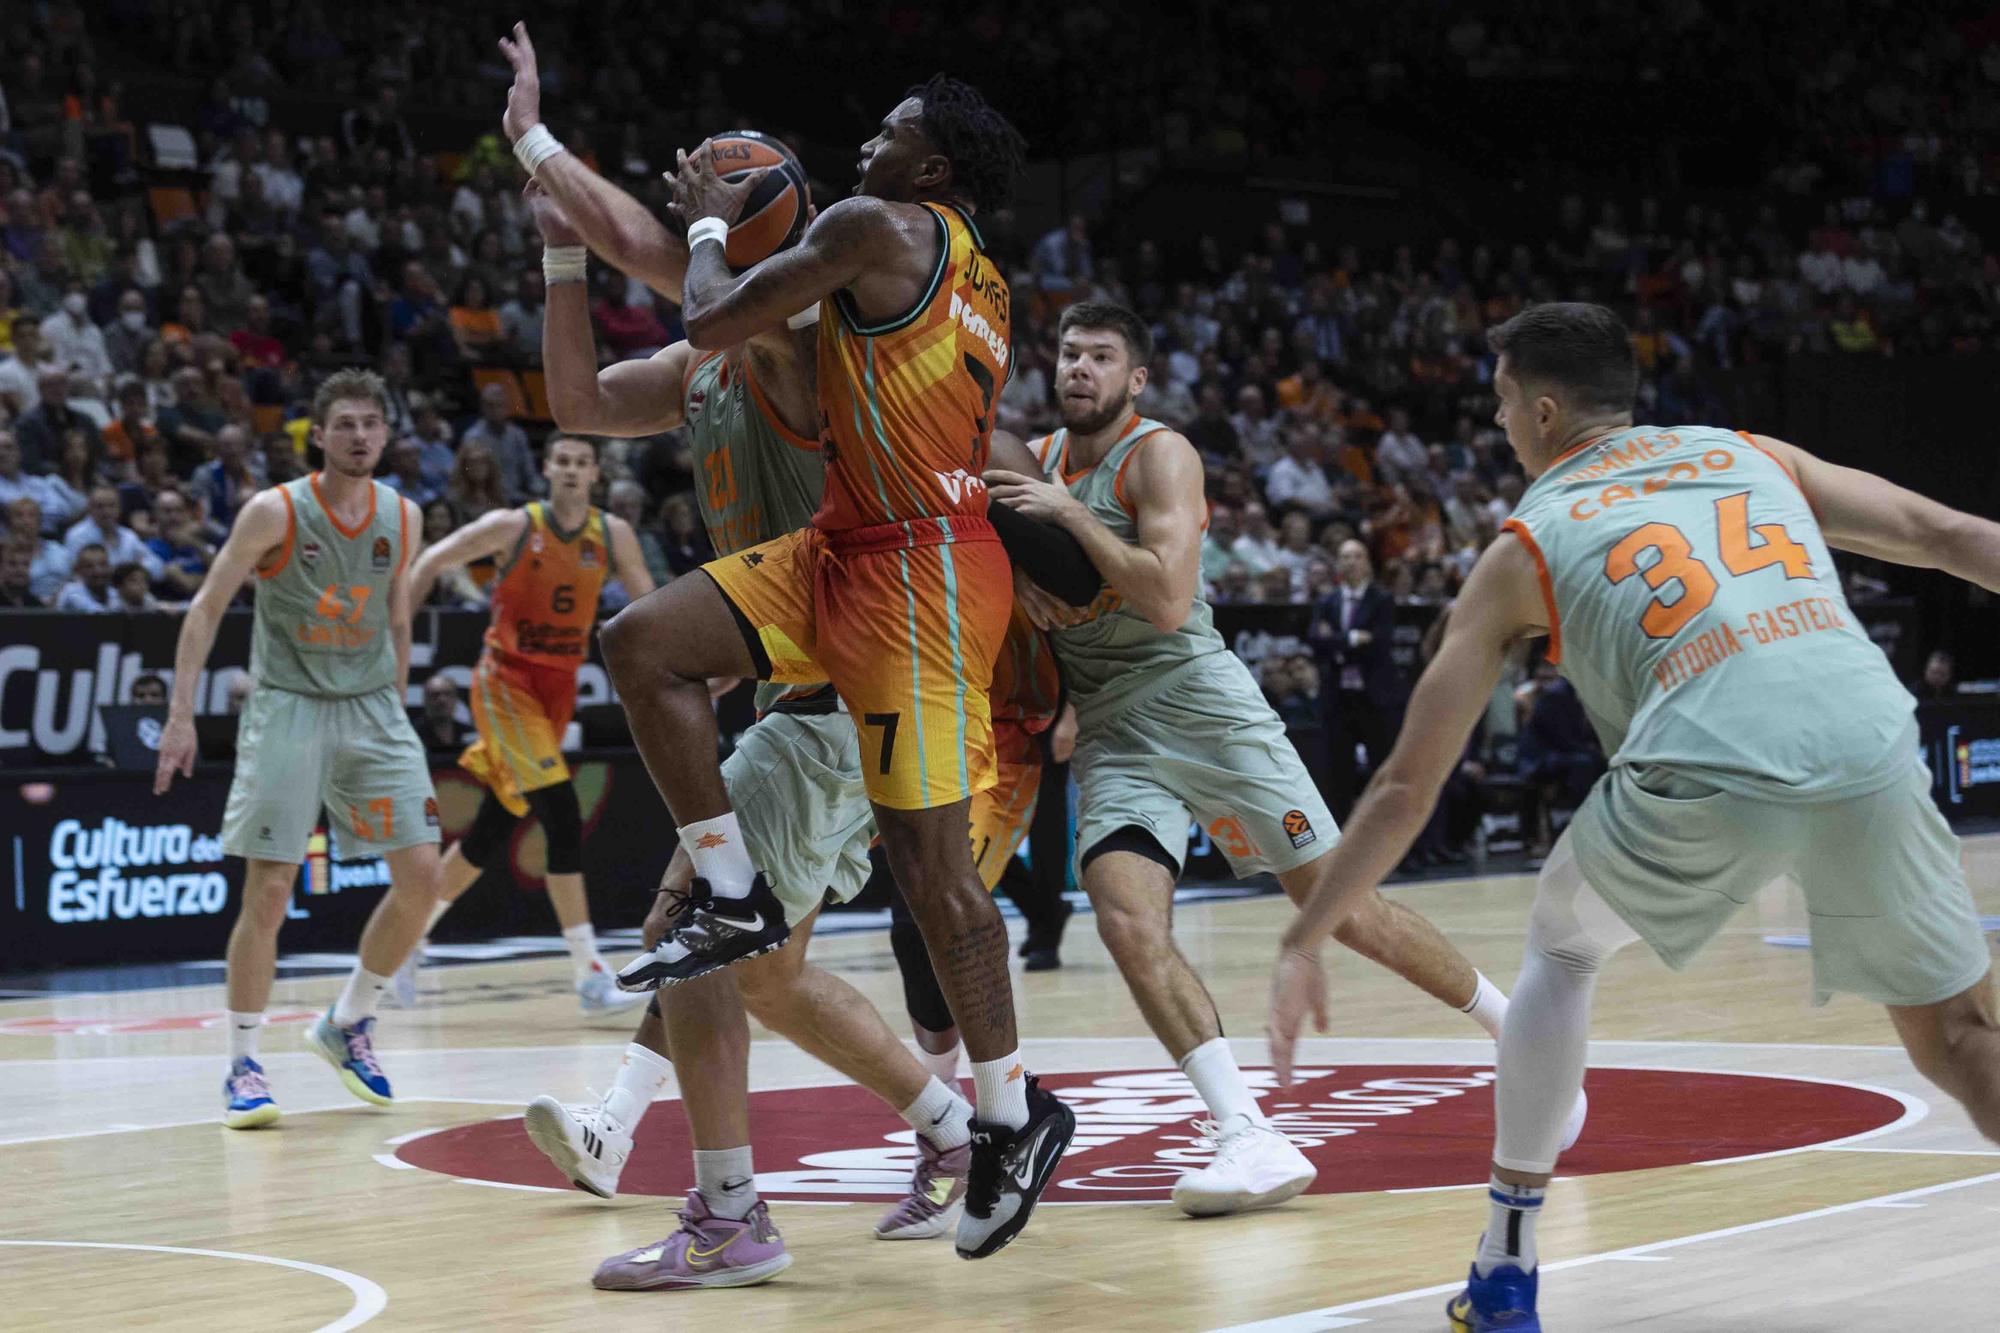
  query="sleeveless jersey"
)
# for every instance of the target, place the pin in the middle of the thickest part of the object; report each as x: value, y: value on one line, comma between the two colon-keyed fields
x: 755, y: 478
x: 321, y: 625
x: 1694, y: 605
x: 906, y: 406
x: 1117, y: 657
x: 545, y: 595
x: 1027, y: 687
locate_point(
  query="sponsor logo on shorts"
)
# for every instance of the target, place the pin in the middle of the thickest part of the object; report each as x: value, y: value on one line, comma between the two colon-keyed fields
x: 379, y: 556
x: 1299, y: 828
x: 1367, y: 1128
x: 431, y: 811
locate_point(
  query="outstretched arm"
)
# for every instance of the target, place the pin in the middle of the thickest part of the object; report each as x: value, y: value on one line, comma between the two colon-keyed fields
x: 611, y: 222
x: 720, y: 308
x: 1861, y: 512
x: 490, y: 535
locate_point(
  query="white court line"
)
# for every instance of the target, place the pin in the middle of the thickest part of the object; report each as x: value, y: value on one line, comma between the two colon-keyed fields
x: 1919, y: 1152
x: 369, y: 1299
x: 510, y: 1185
x: 1314, y: 1321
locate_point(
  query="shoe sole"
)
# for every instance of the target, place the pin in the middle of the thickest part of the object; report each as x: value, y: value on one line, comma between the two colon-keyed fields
x: 644, y: 983
x: 549, y: 1134
x: 999, y: 1240
x: 255, y: 1119
x: 724, y: 1277
x: 927, y: 1230
x: 347, y: 1076
x: 1461, y: 1326
x: 1222, y: 1205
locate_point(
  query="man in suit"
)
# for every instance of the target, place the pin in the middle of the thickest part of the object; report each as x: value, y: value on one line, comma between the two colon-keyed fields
x: 1351, y: 632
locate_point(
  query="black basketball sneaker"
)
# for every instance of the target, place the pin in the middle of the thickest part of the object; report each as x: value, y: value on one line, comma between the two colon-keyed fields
x: 711, y: 933
x: 1010, y: 1168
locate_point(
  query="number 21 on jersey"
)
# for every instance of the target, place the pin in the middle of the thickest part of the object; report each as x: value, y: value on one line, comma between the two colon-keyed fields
x: 1741, y: 548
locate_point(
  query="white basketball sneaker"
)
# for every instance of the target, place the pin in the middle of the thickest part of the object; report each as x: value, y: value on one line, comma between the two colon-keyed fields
x: 1577, y: 1115
x: 598, y: 995
x: 1255, y: 1166
x: 586, y: 1142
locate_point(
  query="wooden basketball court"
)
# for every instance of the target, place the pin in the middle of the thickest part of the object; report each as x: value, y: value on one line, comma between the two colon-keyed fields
x: 1751, y: 1163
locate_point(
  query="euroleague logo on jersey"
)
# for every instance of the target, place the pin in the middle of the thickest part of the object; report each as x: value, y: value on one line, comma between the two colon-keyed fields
x: 1365, y: 1127
x: 379, y: 557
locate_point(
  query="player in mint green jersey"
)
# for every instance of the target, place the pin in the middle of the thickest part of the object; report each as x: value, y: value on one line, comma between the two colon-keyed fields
x: 325, y: 729
x: 1683, y: 577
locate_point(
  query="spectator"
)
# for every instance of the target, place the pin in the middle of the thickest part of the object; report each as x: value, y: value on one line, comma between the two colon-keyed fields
x: 1257, y: 547
x: 20, y: 373
x: 1400, y: 455
x: 190, y: 319
x: 507, y: 443
x: 42, y: 430
x: 1212, y: 432
x: 90, y: 587
x: 433, y: 437
x: 222, y: 485
x: 1061, y: 263
x: 1257, y: 436
x: 51, y: 562
x: 1940, y: 678
x: 1295, y: 548
x: 132, y: 429
x: 1557, y: 748
x: 133, y: 588
x: 1235, y: 586
x: 1352, y: 632
x: 181, y: 548
x: 625, y: 318
x: 149, y: 689
x: 139, y: 495
x: 1299, y: 480
x: 17, y: 564
x: 1217, y: 543
x: 406, y: 474
x: 476, y: 329
x: 438, y: 725
x: 522, y: 318
x: 125, y: 338
x: 338, y: 276
x: 253, y: 341
x: 78, y: 470
x: 14, y: 482
x: 192, y: 423
x: 381, y: 126
x: 100, y: 527
x: 282, y: 462
x: 73, y: 340
x: 476, y: 487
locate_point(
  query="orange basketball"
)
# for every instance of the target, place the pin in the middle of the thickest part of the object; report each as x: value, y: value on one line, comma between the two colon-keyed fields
x: 774, y: 216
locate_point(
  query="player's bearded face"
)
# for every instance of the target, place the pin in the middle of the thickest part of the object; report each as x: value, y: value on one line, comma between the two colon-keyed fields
x: 1093, y: 383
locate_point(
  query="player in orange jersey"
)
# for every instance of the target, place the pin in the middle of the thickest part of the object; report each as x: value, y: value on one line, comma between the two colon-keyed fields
x: 555, y: 556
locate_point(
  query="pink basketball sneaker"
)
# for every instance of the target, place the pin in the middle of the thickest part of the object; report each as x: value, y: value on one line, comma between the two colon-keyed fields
x: 708, y: 1251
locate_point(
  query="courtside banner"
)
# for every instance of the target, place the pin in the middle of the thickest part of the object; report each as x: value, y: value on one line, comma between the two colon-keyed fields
x: 99, y: 870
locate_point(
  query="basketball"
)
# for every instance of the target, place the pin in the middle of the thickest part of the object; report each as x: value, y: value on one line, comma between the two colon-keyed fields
x: 774, y: 216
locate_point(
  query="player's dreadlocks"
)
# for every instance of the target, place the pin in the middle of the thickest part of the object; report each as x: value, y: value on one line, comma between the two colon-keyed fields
x: 986, y: 152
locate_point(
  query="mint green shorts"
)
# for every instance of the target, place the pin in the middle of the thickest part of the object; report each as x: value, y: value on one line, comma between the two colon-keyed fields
x: 795, y: 782
x: 1891, y: 918
x: 356, y: 757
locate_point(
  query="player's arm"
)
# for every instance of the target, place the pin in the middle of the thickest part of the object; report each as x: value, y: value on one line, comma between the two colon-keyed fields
x: 1861, y: 512
x: 1158, y: 576
x: 611, y: 222
x: 1500, y: 603
x: 720, y: 308
x: 260, y: 530
x: 401, y: 606
x: 1047, y: 554
x: 628, y: 562
x: 491, y: 534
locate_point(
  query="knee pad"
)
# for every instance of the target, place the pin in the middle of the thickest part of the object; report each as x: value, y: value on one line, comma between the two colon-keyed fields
x: 1135, y: 839
x: 562, y: 825
x: 1571, y: 923
x: 922, y: 996
x: 484, y: 842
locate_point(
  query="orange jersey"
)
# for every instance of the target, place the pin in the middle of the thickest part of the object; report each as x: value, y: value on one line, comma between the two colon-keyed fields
x: 906, y: 406
x: 1027, y: 687
x: 545, y: 597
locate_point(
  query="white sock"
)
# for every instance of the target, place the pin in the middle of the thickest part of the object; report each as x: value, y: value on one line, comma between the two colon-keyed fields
x: 943, y: 1065
x: 720, y: 855
x: 1000, y: 1088
x: 641, y: 1075
x: 1488, y: 1007
x: 359, y: 998
x: 727, y: 1181
x: 940, y: 1116
x: 244, y: 1029
x: 583, y: 959
x: 1211, y: 1067
x: 1510, y: 1228
x: 438, y: 909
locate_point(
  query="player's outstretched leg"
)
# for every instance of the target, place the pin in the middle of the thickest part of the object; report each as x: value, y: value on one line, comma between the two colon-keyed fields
x: 661, y: 651
x: 1410, y: 945
x: 250, y: 965
x: 1130, y: 880
x: 344, y: 1035
x: 1956, y: 1045
x: 1020, y: 1131
x: 1543, y: 1046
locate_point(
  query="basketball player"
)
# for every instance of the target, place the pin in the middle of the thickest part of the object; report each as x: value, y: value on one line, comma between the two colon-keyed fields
x: 796, y: 776
x: 898, y: 594
x: 554, y: 557
x: 1683, y: 577
x: 1170, y: 721
x: 325, y: 727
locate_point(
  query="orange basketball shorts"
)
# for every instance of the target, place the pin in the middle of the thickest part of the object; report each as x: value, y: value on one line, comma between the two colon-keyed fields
x: 1001, y: 813
x: 905, y: 633
x: 521, y: 711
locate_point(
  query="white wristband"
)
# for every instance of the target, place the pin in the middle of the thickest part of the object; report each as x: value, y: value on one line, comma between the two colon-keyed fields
x: 536, y: 147
x: 805, y: 319
x: 564, y: 263
x: 708, y: 229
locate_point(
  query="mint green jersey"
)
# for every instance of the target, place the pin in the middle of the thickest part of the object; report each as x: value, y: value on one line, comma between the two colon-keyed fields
x: 1118, y: 657
x: 322, y: 612
x: 1695, y: 607
x: 754, y: 479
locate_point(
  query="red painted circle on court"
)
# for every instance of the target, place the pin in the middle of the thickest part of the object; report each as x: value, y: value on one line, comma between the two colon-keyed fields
x: 1366, y: 1127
